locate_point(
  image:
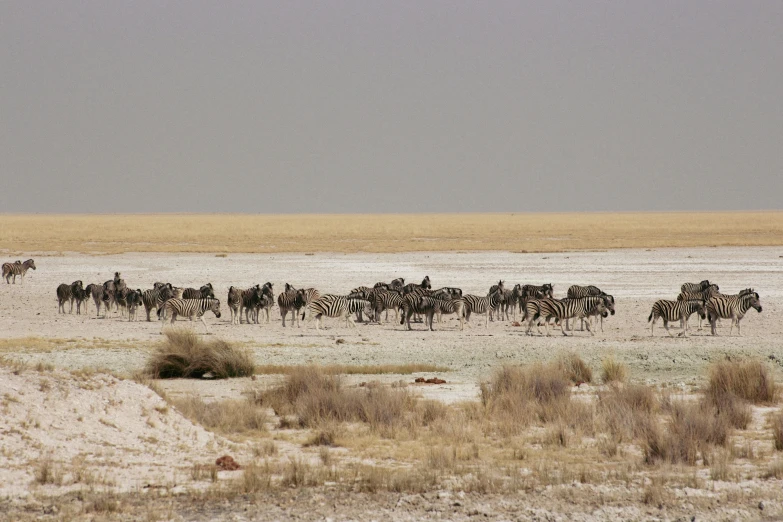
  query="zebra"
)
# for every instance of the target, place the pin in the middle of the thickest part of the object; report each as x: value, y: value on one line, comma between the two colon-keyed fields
x: 96, y: 291
x: 675, y: 311
x: 190, y: 308
x: 82, y: 297
x: 263, y: 302
x: 734, y: 307
x: 483, y: 305
x: 205, y: 292
x: 418, y: 304
x: 563, y: 309
x: 699, y: 295
x: 65, y: 293
x: 155, y: 297
x: 290, y: 301
x: 577, y: 292
x: 448, y: 292
x: 361, y: 292
x: 267, y: 300
x: 239, y: 299
x: 697, y: 287
x: 17, y: 269
x: 132, y: 299
x: 446, y: 306
x: 110, y: 289
x: 381, y: 300
x: 307, y: 296
x: 396, y: 284
x: 412, y: 287
x: 339, y: 306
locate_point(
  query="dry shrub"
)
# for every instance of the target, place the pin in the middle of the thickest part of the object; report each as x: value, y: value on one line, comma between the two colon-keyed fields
x: 184, y: 355
x: 720, y: 468
x: 655, y: 493
x: 691, y: 432
x: 324, y: 437
x: 613, y: 371
x: 48, y: 472
x: 777, y: 431
x: 575, y: 368
x: 774, y: 470
x: 748, y: 380
x: 317, y: 399
x: 736, y: 411
x: 229, y: 416
x: 255, y: 478
x: 298, y: 473
x: 627, y: 411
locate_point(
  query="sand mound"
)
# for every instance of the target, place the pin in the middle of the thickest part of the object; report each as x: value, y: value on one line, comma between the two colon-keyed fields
x: 65, y: 431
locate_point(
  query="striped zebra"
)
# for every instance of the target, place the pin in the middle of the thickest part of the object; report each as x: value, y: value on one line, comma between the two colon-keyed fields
x: 82, y: 297
x: 65, y: 293
x: 191, y: 308
x: 483, y: 305
x: 699, y: 295
x: 307, y: 296
x: 447, y: 306
x: 381, y: 300
x: 675, y: 311
x: 420, y: 305
x: 546, y: 290
x: 412, y: 287
x: 263, y: 303
x: 563, y: 309
x: 17, y: 269
x: 267, y: 301
x: 110, y: 289
x: 396, y: 284
x: 155, y: 297
x: 290, y: 301
x: 96, y: 292
x: 577, y: 292
x: 338, y: 306
x: 128, y: 300
x: 734, y: 307
x: 449, y: 292
x: 697, y: 287
x: 240, y: 300
x: 361, y: 292
x: 205, y: 292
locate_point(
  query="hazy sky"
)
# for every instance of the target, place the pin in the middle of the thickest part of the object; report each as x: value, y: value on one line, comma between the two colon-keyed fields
x: 395, y: 106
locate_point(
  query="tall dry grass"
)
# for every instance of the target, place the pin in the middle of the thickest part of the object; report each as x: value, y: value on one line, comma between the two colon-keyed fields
x: 227, y: 417
x: 356, y: 369
x: 748, y: 380
x: 545, y: 232
x: 183, y: 354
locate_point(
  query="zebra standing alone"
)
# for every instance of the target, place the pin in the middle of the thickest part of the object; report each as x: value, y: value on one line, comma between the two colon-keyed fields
x: 339, y: 306
x: 17, y: 269
x: 675, y: 311
x: 733, y: 307
x: 190, y: 308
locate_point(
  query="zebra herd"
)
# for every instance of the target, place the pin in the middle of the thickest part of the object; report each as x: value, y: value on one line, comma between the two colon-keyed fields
x: 536, y: 303
x: 705, y: 300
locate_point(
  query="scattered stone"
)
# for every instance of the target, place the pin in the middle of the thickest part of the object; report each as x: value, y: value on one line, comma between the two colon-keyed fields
x: 340, y: 341
x: 435, y: 380
x: 761, y: 506
x: 227, y: 463
x: 419, y: 379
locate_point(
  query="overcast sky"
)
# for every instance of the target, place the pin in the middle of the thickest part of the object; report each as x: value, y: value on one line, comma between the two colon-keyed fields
x: 395, y: 106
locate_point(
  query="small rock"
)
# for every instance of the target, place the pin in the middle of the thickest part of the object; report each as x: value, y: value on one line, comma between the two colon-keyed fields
x: 227, y: 463
x: 761, y: 506
x: 340, y: 341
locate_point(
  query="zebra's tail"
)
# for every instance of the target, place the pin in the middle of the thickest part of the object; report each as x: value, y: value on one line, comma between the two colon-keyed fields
x: 650, y: 318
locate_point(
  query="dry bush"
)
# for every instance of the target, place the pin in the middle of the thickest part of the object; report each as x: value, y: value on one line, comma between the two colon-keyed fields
x: 319, y: 399
x: 736, y: 411
x: 777, y: 431
x: 228, y: 416
x: 255, y: 478
x: 627, y: 411
x: 692, y: 431
x: 774, y: 470
x: 720, y: 468
x: 356, y: 369
x: 323, y: 437
x: 298, y: 473
x: 48, y: 472
x: 655, y: 492
x: 748, y: 380
x: 184, y: 355
x: 575, y: 368
x: 515, y: 393
x: 613, y: 371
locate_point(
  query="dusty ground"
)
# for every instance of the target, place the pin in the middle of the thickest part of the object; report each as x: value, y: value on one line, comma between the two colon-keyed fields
x: 119, y: 416
x: 635, y: 277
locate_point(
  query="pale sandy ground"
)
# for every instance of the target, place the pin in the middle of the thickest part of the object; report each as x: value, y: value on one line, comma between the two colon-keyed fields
x: 119, y: 417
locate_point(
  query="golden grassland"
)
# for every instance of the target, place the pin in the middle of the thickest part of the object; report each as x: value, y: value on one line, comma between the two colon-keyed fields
x: 516, y: 232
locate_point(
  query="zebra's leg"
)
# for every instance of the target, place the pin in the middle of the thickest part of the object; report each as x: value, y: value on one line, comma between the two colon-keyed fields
x: 318, y: 323
x: 206, y: 329
x: 731, y: 327
x: 713, y: 319
x: 652, y: 325
x: 486, y: 320
x: 739, y: 333
x: 589, y: 328
x: 283, y: 313
x: 562, y: 328
x: 666, y: 325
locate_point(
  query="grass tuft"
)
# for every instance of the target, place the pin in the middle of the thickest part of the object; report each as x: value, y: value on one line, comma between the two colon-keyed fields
x: 613, y: 371
x: 575, y: 368
x: 184, y: 355
x: 229, y: 416
x: 748, y: 380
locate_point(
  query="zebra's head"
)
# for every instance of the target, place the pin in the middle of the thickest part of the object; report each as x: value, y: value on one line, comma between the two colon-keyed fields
x: 207, y: 291
x: 601, y: 309
x: 425, y: 283
x: 30, y: 263
x: 500, y: 286
x: 753, y: 301
x: 289, y: 288
x: 214, y: 307
x: 399, y: 282
x: 548, y: 290
x: 609, y: 301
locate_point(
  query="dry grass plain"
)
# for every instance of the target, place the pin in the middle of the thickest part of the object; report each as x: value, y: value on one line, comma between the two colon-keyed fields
x: 518, y: 232
x: 509, y: 436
